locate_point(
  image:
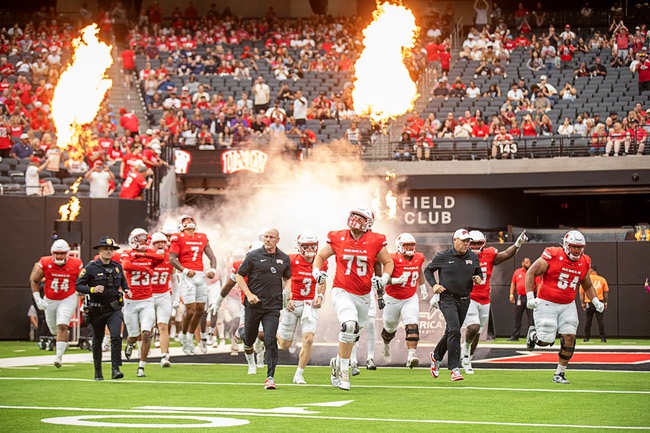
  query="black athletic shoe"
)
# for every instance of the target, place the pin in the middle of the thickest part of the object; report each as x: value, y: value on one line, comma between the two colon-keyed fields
x: 117, y: 374
x: 530, y: 338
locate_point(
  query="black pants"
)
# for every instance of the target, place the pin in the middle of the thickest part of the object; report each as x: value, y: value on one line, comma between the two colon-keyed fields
x: 589, y: 313
x: 520, y: 307
x: 270, y: 320
x: 454, y: 310
x: 99, y: 319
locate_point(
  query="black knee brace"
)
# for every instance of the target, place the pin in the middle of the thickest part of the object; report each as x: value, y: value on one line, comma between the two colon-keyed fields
x: 412, y: 333
x: 565, y: 352
x: 387, y: 336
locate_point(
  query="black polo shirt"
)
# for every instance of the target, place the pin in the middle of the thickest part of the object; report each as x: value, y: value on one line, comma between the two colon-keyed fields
x: 455, y: 271
x: 265, y: 273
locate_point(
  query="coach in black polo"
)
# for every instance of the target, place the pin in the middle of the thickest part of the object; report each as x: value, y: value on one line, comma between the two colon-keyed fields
x: 267, y: 269
x: 458, y: 269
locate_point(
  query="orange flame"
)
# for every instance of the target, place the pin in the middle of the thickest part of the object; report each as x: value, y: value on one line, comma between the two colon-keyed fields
x: 383, y: 88
x: 70, y: 210
x: 81, y: 88
x: 386, y: 208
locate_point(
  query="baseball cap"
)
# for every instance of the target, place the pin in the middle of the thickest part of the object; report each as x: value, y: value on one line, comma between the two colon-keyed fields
x: 462, y: 234
x: 35, y: 160
x: 149, y: 131
x: 542, y: 78
x: 24, y: 136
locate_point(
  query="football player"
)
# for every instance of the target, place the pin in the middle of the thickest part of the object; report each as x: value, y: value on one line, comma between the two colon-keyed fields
x: 186, y: 255
x: 162, y: 295
x: 139, y: 263
x: 60, y: 273
x: 555, y: 312
x: 357, y: 250
x: 479, y: 305
x: 402, y: 298
x: 305, y: 298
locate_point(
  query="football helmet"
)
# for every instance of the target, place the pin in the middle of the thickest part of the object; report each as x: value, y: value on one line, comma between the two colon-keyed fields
x: 255, y: 246
x: 306, y: 240
x: 158, y: 237
x: 139, y: 239
x: 361, y: 218
x: 182, y: 225
x: 60, y: 246
x: 573, y: 238
x: 477, y: 241
x: 405, y: 239
x: 168, y: 229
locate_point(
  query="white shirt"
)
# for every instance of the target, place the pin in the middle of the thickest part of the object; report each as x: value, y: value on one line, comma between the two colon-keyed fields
x: 300, y: 108
x: 99, y: 184
x: 261, y: 93
x: 517, y: 95
x: 32, y: 181
x: 473, y: 93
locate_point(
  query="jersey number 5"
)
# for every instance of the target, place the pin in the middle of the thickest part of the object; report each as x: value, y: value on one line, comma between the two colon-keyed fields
x: 361, y: 261
x: 563, y: 281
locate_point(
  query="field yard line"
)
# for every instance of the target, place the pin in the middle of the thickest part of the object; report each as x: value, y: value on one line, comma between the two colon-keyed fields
x: 336, y: 418
x: 474, y: 388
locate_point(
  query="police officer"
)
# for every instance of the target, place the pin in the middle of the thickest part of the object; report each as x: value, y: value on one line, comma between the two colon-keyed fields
x: 103, y: 280
x: 458, y: 269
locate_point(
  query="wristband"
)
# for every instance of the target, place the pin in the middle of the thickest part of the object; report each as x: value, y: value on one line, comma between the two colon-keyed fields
x: 422, y: 287
x: 186, y: 271
x: 233, y: 278
x: 92, y: 290
x: 595, y: 300
x: 512, y: 296
x: 213, y: 270
x: 384, y: 278
x: 320, y: 295
x: 37, y: 296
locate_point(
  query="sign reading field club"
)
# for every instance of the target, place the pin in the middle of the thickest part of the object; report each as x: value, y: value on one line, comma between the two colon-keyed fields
x: 233, y: 161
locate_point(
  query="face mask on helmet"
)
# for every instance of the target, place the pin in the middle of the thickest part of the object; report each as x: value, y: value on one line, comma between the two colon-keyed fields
x: 186, y: 222
x: 574, y: 244
x: 139, y: 239
x: 405, y: 244
x: 307, y: 244
x: 159, y: 242
x: 477, y: 241
x: 59, y: 250
x: 361, y: 219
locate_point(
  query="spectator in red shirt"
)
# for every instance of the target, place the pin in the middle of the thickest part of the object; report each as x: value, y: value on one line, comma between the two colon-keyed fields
x: 528, y: 127
x: 503, y: 143
x: 480, y: 130
x: 643, y: 69
x: 445, y: 61
x: 636, y: 135
x: 135, y: 182
x: 129, y: 121
x: 566, y: 54
x: 128, y: 65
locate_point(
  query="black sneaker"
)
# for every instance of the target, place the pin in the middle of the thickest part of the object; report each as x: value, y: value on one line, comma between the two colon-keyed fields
x: 513, y: 339
x: 99, y: 375
x: 559, y: 378
x: 603, y: 340
x: 530, y: 338
x: 586, y: 340
x: 117, y: 374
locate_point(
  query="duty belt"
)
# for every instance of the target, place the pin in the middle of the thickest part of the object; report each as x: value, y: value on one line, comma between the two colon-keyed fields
x: 462, y: 298
x: 97, y: 305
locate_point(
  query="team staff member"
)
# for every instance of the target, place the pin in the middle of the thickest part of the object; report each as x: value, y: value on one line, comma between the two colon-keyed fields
x: 103, y: 279
x: 458, y: 270
x: 518, y: 284
x: 602, y: 292
x: 266, y: 268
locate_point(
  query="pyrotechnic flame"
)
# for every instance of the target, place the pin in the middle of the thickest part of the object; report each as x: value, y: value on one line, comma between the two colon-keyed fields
x: 74, y: 187
x: 70, y: 210
x: 390, y: 175
x: 391, y: 204
x: 383, y: 88
x: 81, y: 88
x: 386, y: 208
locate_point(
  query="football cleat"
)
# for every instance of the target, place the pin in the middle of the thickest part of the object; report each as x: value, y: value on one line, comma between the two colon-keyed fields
x: 468, y: 367
x: 203, y: 346
x: 412, y: 361
x: 455, y: 375
x: 239, y: 335
x: 185, y: 345
x: 435, y: 366
x: 335, y: 374
x: 128, y: 350
x: 370, y: 364
x: 252, y: 369
x: 386, y: 353
x: 344, y: 383
x: 298, y: 379
x: 531, y: 335
x: 164, y: 362
x: 234, y: 349
x: 559, y: 378
x: 354, y: 369
x: 141, y: 372
x: 269, y: 383
x: 58, y: 362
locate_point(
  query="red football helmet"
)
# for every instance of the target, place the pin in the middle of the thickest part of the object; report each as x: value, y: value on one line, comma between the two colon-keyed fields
x: 361, y: 219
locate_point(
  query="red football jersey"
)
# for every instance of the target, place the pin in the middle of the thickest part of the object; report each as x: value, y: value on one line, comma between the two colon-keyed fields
x: 411, y: 267
x: 235, y: 267
x: 355, y: 259
x: 189, y: 249
x: 562, y: 279
x: 138, y: 271
x: 161, y: 279
x: 60, y: 281
x: 303, y: 284
x: 481, y: 292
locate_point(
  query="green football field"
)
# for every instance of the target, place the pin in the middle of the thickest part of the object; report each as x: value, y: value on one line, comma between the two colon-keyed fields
x: 209, y: 397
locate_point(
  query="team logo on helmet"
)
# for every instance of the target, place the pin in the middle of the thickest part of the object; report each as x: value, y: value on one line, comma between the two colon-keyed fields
x: 573, y: 238
x: 60, y: 246
x: 307, y: 244
x: 405, y: 244
x: 139, y: 239
x: 361, y: 219
x: 477, y: 240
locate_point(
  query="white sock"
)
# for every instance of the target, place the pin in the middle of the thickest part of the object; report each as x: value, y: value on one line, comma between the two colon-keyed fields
x: 353, y: 355
x: 141, y: 364
x: 250, y: 358
x: 560, y: 369
x: 370, y: 337
x: 411, y: 353
x: 467, y: 347
x: 345, y: 363
x: 165, y: 355
x: 204, y: 335
x: 61, y: 346
x: 299, y: 371
x: 189, y: 336
x: 106, y: 340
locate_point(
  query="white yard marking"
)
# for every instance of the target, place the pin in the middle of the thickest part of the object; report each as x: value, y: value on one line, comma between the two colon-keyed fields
x: 431, y: 387
x: 335, y: 418
x: 329, y: 404
x: 82, y: 421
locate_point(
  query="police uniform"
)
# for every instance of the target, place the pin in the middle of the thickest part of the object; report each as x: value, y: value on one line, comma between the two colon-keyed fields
x: 104, y: 309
